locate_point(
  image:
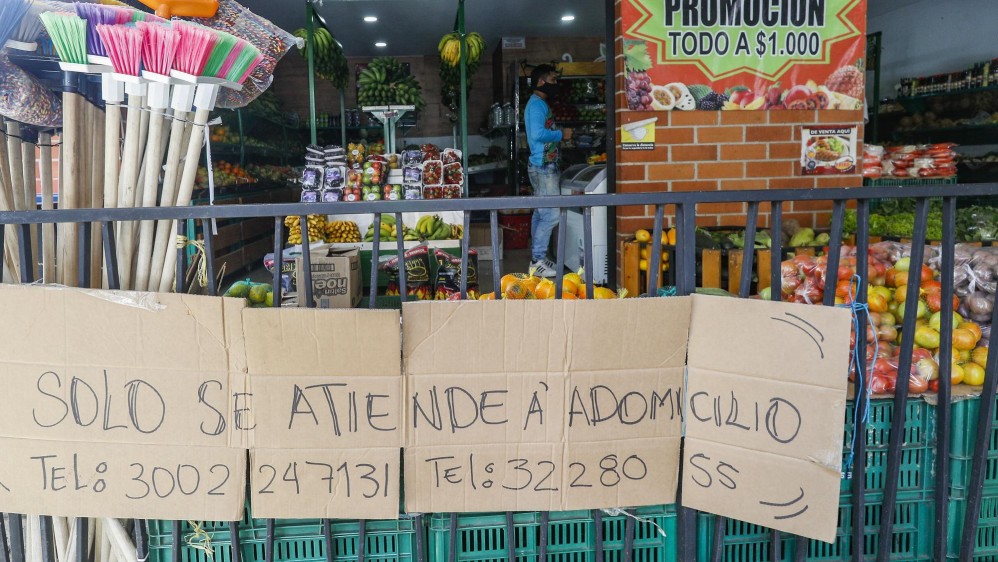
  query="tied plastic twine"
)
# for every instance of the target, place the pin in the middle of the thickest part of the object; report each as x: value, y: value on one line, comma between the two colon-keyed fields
x: 202, y: 270
x: 199, y: 539
x: 211, y: 169
x: 854, y: 360
x: 613, y: 512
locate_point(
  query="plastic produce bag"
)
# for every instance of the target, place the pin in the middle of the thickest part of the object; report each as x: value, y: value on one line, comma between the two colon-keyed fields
x: 272, y: 41
x: 24, y: 99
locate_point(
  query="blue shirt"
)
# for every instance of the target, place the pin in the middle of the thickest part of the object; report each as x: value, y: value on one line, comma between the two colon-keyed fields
x: 542, y: 138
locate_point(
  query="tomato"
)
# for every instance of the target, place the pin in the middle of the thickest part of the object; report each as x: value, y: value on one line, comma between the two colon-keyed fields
x: 901, y: 279
x: 980, y: 356
x: 927, y: 337
x: 844, y: 287
x: 889, y: 277
x: 876, y: 302
x: 926, y: 369
x: 887, y: 333
x: 973, y: 374
x: 918, y: 354
x: 900, y: 293
x: 927, y: 274
x: 932, y: 286
x: 934, y: 386
x: 956, y: 373
x: 917, y: 385
x: 973, y: 327
x: 963, y: 339
x: 845, y: 272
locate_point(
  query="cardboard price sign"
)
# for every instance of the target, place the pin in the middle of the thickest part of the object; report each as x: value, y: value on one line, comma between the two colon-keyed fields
x: 557, y: 405
x: 324, y: 389
x: 766, y: 392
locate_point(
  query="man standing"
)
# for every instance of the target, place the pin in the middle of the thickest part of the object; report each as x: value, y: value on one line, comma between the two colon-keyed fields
x: 543, y: 169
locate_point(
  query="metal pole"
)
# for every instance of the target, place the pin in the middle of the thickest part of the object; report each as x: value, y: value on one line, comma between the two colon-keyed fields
x: 464, y: 92
x: 310, y: 55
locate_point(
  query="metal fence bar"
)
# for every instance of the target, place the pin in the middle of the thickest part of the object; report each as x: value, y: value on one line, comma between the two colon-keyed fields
x: 542, y: 550
x: 400, y: 247
x: 587, y: 243
x: 717, y: 538
x: 46, y: 532
x: 598, y: 534
x: 858, y: 537
x: 4, y: 547
x: 15, y: 531
x: 181, y: 249
x: 559, y: 274
x: 689, y: 269
x: 24, y: 250
x: 268, y: 545
x: 496, y: 253
x: 177, y: 546
x: 943, y: 410
x: 834, y: 254
x: 375, y: 258
x: 420, y: 538
x: 362, y: 523
x: 278, y: 260
x: 901, y: 389
x: 510, y: 538
x: 305, y: 293
x: 236, y: 546
x: 110, y: 255
x: 748, y: 252
x: 655, y: 259
x: 452, y: 539
x: 139, y: 533
x: 327, y: 539
x: 465, y: 250
x: 776, y: 250
x: 83, y: 254
x: 982, y: 442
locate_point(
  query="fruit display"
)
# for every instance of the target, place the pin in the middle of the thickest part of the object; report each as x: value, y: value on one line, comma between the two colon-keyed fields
x: 225, y: 174
x: 432, y: 172
x: 911, y: 161
x: 340, y: 231
x: 271, y: 173
x: 804, y: 280
x: 586, y: 90
x: 520, y: 286
x: 259, y: 295
x: 895, y: 218
x: 385, y: 81
x: 330, y: 62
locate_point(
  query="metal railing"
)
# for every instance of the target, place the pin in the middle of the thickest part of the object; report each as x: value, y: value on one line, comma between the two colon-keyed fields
x: 682, y: 209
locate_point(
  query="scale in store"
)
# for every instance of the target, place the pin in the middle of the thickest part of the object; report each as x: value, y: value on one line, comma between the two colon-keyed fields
x: 389, y: 117
x: 591, y: 180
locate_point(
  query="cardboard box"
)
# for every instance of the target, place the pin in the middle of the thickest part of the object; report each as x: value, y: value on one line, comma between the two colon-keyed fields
x: 480, y: 238
x: 335, y: 277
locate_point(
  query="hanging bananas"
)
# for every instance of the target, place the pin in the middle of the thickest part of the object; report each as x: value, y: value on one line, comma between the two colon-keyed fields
x: 330, y: 63
x: 385, y: 81
x: 450, y: 48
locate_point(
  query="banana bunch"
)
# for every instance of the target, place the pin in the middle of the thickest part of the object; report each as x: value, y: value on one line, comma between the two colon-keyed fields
x: 450, y: 48
x: 389, y: 231
x: 432, y: 227
x: 330, y: 63
x: 386, y: 82
x: 342, y: 231
x: 316, y: 228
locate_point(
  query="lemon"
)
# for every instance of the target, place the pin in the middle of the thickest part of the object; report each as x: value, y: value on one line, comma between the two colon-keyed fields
x: 642, y: 235
x: 643, y: 265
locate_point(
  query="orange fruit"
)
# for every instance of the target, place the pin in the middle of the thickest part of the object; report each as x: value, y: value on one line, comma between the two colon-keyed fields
x: 604, y: 293
x: 574, y: 278
x: 568, y: 287
x: 508, y: 280
x: 518, y: 290
x: 487, y: 297
x: 545, y: 289
x: 569, y: 296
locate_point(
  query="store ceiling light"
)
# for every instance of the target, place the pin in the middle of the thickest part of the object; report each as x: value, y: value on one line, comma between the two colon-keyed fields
x: 370, y: 19
x: 568, y: 17
x: 381, y: 44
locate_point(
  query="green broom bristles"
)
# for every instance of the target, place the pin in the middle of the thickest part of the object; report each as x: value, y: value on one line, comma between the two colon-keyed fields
x: 247, y: 59
x: 219, y: 54
x: 69, y: 35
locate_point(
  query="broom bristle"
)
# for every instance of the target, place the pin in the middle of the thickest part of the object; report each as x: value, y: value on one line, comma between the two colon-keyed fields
x: 124, y: 47
x: 196, y: 44
x: 159, y: 47
x: 96, y: 14
x: 12, y: 12
x: 69, y: 36
x: 30, y: 25
x: 243, y: 59
x: 219, y: 54
x: 139, y: 15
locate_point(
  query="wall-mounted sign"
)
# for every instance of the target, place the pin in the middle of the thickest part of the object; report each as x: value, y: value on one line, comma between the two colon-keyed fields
x: 748, y: 54
x: 828, y: 149
x: 639, y: 135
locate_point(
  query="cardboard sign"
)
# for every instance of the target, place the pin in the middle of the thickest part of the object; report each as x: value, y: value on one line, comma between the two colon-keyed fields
x: 124, y: 481
x: 556, y: 405
x: 766, y: 391
x: 117, y: 367
x: 323, y: 412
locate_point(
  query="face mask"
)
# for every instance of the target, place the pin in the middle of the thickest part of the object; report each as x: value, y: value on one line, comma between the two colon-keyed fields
x: 548, y: 89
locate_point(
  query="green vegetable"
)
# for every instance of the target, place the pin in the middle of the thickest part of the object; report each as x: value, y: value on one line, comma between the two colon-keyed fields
x: 822, y: 239
x: 803, y: 237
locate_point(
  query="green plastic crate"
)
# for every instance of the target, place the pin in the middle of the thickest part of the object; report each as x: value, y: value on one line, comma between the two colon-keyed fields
x: 571, y: 537
x: 294, y: 541
x: 911, y: 535
x: 963, y: 438
x: 986, y: 543
x: 916, y: 473
x: 919, y: 423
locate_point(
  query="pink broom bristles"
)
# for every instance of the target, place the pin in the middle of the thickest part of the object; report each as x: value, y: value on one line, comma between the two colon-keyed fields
x: 159, y: 47
x: 124, y: 47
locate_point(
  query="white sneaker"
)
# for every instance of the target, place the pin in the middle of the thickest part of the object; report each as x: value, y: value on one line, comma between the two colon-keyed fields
x: 540, y: 268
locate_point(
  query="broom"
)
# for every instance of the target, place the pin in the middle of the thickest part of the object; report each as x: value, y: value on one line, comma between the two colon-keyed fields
x: 124, y: 47
x: 230, y: 64
x: 195, y: 46
x: 159, y: 48
x: 69, y: 36
x: 24, y: 36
